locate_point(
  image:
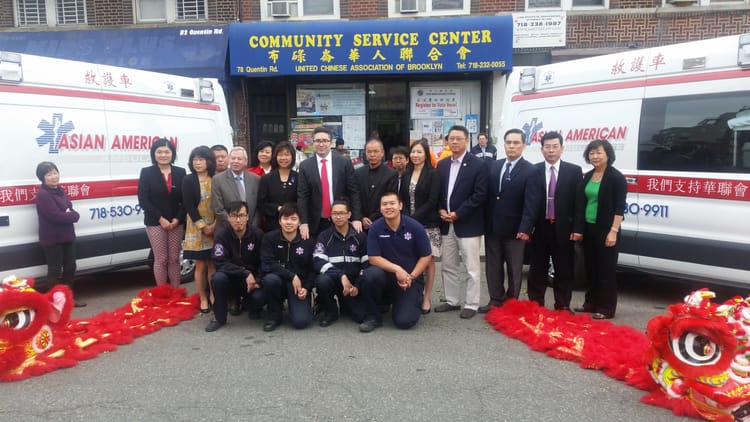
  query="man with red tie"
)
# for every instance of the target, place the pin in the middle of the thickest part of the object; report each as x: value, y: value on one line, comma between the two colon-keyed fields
x: 322, y: 179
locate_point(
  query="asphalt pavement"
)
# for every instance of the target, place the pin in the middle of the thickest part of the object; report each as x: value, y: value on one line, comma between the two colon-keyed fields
x: 444, y: 369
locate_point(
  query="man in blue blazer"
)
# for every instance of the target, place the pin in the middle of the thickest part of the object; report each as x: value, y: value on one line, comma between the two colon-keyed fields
x: 553, y: 234
x: 314, y: 213
x: 511, y: 213
x: 463, y: 191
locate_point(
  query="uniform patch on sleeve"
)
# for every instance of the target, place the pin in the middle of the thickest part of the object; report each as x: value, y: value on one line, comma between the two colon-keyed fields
x: 319, y: 249
x: 218, y: 250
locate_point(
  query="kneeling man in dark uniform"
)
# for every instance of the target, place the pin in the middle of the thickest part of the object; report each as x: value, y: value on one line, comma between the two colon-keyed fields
x: 340, y: 258
x: 236, y: 254
x: 399, y: 252
x: 286, y: 262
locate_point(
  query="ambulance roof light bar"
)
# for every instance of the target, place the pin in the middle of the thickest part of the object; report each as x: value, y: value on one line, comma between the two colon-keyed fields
x: 743, y: 51
x: 527, y: 83
x: 206, y: 92
x: 10, y: 67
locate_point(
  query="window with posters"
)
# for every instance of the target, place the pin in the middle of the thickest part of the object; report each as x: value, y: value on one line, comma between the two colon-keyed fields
x: 340, y: 107
x: 436, y: 106
x: 707, y: 133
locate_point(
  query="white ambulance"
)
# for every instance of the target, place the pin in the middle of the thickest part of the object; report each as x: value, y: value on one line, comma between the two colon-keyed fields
x: 678, y: 117
x: 97, y: 124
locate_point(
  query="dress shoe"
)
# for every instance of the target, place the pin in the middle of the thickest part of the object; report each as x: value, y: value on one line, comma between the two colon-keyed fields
x: 369, y: 326
x: 328, y: 319
x: 79, y: 303
x: 467, y: 313
x: 486, y: 308
x: 426, y: 311
x: 446, y: 307
x: 584, y: 309
x: 213, y: 326
x: 271, y: 325
x: 599, y: 315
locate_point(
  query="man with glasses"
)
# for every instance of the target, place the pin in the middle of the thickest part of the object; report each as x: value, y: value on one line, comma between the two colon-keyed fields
x: 321, y: 179
x: 553, y: 234
x: 340, y: 258
x: 463, y: 191
x: 511, y: 213
x: 236, y: 254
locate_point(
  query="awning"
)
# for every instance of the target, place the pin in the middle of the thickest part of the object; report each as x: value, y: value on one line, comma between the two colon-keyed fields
x: 195, y: 51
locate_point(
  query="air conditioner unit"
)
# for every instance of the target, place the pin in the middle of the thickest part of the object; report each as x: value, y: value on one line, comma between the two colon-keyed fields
x: 280, y: 9
x: 408, y: 6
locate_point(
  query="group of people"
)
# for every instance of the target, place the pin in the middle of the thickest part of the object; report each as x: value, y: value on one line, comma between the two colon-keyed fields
x: 366, y: 239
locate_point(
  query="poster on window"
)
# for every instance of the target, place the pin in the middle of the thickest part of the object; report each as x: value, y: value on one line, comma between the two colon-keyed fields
x: 353, y: 129
x: 442, y: 102
x: 330, y: 102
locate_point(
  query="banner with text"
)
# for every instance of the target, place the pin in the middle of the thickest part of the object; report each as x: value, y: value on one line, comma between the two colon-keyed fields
x: 397, y: 46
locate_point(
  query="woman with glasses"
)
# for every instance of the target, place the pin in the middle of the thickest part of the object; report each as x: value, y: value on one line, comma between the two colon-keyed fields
x: 278, y: 187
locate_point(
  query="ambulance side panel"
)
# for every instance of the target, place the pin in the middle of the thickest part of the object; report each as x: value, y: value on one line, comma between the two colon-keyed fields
x: 665, y: 110
x: 96, y: 123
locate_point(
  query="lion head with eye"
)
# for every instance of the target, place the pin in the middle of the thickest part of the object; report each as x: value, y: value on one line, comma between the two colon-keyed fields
x: 700, y: 352
x: 28, y: 320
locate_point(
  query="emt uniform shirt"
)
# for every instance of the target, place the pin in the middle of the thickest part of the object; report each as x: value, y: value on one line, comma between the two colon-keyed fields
x: 403, y: 247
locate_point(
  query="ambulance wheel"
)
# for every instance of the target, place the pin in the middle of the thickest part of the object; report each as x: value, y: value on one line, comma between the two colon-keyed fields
x: 187, y: 270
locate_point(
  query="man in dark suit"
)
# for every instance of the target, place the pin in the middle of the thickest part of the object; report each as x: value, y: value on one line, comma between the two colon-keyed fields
x: 553, y: 234
x: 236, y: 185
x: 484, y: 149
x: 511, y: 212
x: 373, y: 181
x: 315, y: 202
x: 463, y: 191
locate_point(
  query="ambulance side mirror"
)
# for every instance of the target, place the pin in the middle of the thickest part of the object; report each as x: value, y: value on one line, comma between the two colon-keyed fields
x: 10, y: 67
x: 743, y: 51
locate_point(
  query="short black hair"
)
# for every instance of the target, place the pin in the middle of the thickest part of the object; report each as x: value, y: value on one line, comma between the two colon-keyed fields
x: 608, y: 149
x: 460, y: 129
x: 551, y: 135
x: 236, y: 206
x: 288, y: 209
x: 321, y: 129
x: 43, y: 168
x: 518, y: 131
x: 162, y: 142
x: 205, y: 153
x: 219, y: 147
x: 283, y: 145
x: 400, y: 150
x: 341, y: 201
x: 339, y: 141
x: 389, y: 193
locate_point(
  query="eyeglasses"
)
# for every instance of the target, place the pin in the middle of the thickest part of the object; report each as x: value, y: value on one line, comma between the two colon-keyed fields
x: 339, y: 214
x: 237, y: 216
x: 321, y: 141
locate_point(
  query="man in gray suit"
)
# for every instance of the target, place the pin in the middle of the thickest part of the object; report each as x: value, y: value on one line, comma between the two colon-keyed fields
x: 235, y: 184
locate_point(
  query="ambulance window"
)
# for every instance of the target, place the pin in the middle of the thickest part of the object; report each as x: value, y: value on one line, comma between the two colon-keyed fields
x: 691, y: 133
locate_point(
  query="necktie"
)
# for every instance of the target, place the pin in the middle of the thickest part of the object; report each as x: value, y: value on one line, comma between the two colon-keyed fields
x: 324, y: 188
x: 551, y: 194
x: 506, y: 177
x: 240, y: 186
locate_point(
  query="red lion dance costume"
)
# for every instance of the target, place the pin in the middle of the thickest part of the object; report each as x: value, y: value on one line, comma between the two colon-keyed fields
x: 694, y: 360
x: 37, y: 336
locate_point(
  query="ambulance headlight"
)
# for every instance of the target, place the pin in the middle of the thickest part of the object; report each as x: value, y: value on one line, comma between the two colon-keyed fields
x: 743, y: 53
x: 528, y: 80
x: 206, y: 91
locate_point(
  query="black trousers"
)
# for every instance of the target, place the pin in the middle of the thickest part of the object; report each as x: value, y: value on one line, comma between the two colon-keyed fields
x: 328, y: 288
x: 601, y: 267
x: 276, y: 291
x: 546, y: 244
x: 226, y: 286
x: 61, y: 264
x: 407, y: 304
